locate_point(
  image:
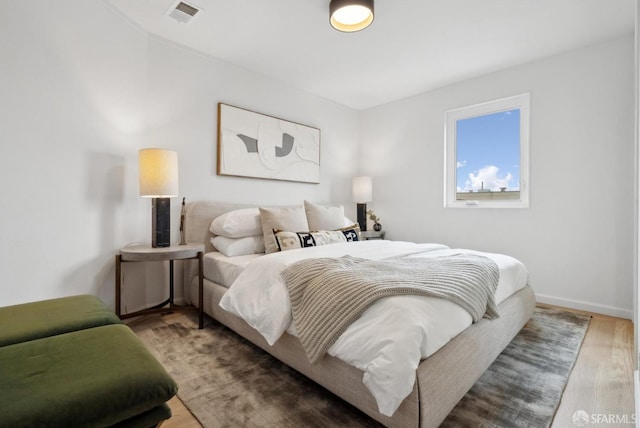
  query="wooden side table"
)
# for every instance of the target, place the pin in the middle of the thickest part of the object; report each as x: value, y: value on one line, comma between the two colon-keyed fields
x: 372, y: 234
x: 146, y: 253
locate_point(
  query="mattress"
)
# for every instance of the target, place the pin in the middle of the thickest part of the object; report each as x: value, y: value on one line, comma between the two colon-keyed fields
x: 224, y: 270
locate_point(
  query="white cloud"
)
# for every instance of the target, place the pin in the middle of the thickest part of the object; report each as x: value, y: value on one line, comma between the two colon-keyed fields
x: 460, y: 164
x: 488, y: 178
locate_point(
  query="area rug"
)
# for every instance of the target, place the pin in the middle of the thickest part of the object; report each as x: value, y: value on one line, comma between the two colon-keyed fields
x: 226, y: 381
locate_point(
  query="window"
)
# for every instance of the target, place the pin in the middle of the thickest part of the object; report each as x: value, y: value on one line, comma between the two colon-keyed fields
x: 487, y: 154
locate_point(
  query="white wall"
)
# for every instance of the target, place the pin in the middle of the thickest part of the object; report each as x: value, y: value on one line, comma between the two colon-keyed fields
x: 578, y: 249
x: 82, y: 90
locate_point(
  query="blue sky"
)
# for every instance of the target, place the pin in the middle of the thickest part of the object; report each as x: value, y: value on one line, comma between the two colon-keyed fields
x: 488, y: 150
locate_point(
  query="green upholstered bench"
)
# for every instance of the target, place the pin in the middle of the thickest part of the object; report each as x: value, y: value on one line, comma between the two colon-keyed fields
x: 29, y: 321
x: 96, y: 377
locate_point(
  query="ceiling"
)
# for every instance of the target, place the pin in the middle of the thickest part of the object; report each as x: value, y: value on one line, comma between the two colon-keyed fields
x: 411, y: 47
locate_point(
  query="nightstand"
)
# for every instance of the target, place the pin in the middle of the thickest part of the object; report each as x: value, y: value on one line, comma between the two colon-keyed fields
x: 372, y: 234
x: 146, y: 253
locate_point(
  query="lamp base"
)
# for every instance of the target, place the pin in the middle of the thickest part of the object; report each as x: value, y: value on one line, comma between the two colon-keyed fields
x: 362, y: 217
x: 160, y: 222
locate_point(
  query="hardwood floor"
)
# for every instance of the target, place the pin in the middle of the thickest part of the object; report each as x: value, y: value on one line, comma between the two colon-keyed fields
x: 182, y: 417
x: 601, y: 383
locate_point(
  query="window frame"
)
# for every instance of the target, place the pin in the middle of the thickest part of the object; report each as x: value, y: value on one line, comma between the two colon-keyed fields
x: 521, y: 102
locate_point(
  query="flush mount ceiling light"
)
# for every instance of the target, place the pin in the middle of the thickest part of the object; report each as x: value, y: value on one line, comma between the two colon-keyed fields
x: 350, y: 15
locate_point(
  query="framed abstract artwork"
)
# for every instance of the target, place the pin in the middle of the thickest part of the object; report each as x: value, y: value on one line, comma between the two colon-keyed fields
x: 256, y: 145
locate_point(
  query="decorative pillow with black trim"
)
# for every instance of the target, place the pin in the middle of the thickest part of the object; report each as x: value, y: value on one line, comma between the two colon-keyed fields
x: 294, y: 240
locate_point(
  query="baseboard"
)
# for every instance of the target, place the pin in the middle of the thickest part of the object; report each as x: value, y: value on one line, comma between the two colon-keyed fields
x: 585, y: 306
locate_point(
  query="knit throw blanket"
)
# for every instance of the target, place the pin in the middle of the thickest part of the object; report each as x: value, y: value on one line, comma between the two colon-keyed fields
x: 328, y: 294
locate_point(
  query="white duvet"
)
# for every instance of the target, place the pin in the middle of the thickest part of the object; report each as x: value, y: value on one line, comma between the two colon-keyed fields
x: 391, y: 337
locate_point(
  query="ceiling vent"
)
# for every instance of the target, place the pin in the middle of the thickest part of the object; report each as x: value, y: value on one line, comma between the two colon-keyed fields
x: 182, y: 11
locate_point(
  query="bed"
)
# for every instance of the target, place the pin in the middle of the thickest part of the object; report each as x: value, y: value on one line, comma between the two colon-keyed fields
x: 441, y: 380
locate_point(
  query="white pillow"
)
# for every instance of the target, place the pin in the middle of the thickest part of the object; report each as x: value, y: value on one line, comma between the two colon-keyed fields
x: 321, y: 217
x: 237, y: 223
x: 348, y: 222
x: 284, y: 218
x: 232, y: 247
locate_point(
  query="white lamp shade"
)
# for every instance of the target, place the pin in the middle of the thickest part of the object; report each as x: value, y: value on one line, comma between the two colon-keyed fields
x: 158, y: 173
x: 362, y: 190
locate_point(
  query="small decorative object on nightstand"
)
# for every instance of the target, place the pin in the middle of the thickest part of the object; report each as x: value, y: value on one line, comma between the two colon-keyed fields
x: 376, y: 221
x: 183, y: 213
x: 147, y: 253
x: 372, y: 234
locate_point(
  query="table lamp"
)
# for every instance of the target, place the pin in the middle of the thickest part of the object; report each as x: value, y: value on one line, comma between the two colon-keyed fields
x: 159, y: 180
x: 362, y: 193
